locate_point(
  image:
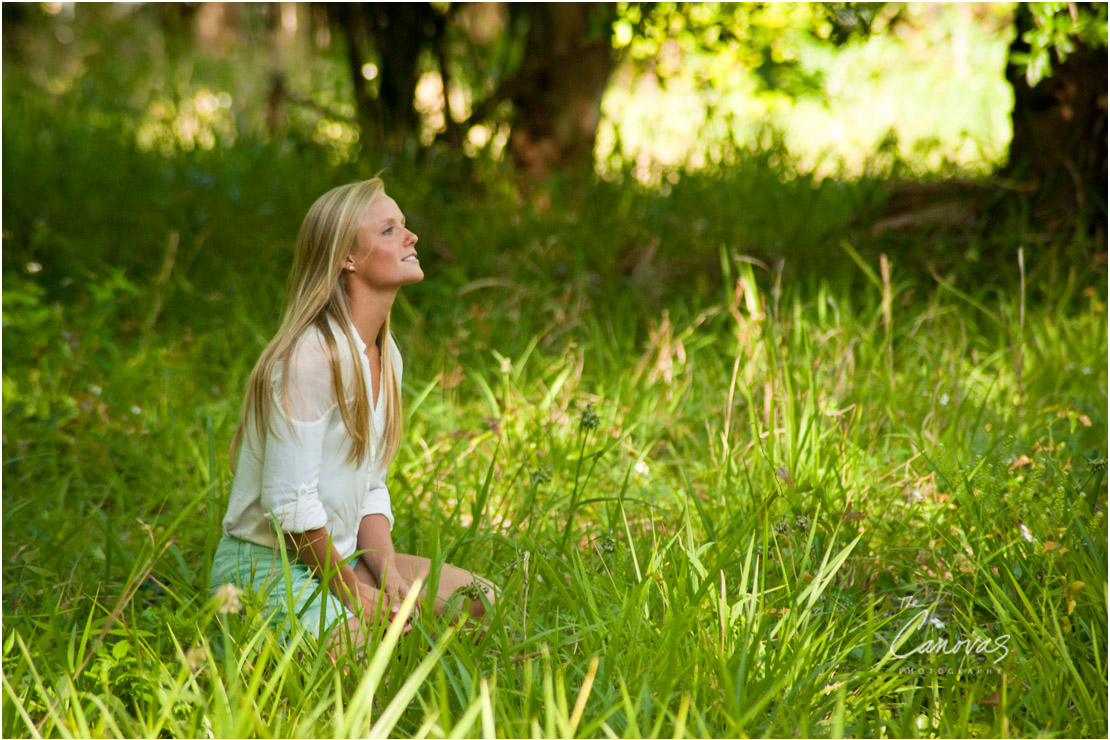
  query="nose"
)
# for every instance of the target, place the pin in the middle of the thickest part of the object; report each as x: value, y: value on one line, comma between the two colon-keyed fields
x: 413, y: 238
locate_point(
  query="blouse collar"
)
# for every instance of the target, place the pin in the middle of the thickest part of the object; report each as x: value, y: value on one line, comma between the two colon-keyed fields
x: 358, y: 340
x: 354, y: 332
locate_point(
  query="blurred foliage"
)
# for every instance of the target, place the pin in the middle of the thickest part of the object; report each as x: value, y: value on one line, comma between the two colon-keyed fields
x: 139, y: 72
x: 1057, y: 27
x: 831, y: 81
x: 922, y: 82
x: 708, y: 40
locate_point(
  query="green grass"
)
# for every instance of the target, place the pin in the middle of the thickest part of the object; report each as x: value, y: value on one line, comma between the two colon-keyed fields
x: 710, y: 483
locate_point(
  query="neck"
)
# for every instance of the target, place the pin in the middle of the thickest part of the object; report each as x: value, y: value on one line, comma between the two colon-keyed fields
x: 369, y: 310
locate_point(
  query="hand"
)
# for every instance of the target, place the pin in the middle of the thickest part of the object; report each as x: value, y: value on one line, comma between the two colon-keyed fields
x: 370, y: 601
x: 395, y: 586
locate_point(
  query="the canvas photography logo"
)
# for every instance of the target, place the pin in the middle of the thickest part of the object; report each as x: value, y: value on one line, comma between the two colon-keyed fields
x: 929, y: 642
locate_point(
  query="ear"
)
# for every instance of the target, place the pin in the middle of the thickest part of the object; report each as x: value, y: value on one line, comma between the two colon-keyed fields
x: 349, y: 264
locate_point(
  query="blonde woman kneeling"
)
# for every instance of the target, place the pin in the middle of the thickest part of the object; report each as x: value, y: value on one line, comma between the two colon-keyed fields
x: 320, y: 424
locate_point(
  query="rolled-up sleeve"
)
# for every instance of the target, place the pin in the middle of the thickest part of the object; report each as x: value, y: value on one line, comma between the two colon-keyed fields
x: 377, y: 499
x: 291, y: 476
x: 295, y: 443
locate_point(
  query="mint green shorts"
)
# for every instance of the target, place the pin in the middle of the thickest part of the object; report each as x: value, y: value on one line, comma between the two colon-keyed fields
x: 257, y: 570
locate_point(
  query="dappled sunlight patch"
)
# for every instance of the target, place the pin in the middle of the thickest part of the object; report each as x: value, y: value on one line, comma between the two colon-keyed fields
x: 200, y: 119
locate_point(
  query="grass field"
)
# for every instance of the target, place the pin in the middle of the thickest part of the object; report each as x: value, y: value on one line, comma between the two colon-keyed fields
x: 737, y: 465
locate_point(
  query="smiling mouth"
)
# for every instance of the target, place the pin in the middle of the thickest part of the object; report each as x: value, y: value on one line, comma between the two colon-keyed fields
x: 410, y: 258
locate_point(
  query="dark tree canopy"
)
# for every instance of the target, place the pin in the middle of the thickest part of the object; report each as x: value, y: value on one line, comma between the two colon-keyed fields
x: 1058, y: 74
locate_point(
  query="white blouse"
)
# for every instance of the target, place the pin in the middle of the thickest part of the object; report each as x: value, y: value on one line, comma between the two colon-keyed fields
x: 299, y: 476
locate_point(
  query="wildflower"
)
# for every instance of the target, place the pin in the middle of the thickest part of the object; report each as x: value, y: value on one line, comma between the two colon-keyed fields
x: 607, y: 544
x: 228, y: 596
x: 136, y: 410
x: 474, y: 591
x: 801, y: 522
x: 641, y: 468
x: 541, y: 475
x: 936, y: 622
x: 1025, y: 532
x: 781, y: 526
x: 590, y: 418
x: 944, y: 399
x: 195, y: 658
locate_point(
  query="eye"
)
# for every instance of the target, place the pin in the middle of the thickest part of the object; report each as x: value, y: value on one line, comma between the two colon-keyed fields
x: 388, y: 230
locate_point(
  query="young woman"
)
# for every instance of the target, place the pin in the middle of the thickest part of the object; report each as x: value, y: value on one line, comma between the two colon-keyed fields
x: 320, y: 424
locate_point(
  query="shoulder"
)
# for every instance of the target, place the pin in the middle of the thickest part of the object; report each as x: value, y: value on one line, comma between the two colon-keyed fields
x: 311, y: 348
x: 310, y: 356
x: 305, y: 383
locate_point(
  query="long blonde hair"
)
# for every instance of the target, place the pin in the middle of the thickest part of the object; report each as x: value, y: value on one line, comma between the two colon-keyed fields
x: 317, y: 293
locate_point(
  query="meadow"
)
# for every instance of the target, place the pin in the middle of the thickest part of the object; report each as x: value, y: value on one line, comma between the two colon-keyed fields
x: 737, y: 462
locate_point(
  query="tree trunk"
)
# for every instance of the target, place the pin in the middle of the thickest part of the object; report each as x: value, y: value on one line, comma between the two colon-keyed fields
x: 568, y: 57
x: 350, y: 24
x: 399, y: 32
x: 1059, y: 134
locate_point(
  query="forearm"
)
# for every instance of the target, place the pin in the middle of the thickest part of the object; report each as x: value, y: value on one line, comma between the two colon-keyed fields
x: 375, y: 543
x: 315, y: 549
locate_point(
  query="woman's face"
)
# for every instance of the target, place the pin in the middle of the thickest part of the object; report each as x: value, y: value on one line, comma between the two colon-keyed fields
x: 385, y: 254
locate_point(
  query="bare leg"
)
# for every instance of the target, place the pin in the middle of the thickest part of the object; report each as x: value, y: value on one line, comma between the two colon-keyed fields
x: 451, y: 579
